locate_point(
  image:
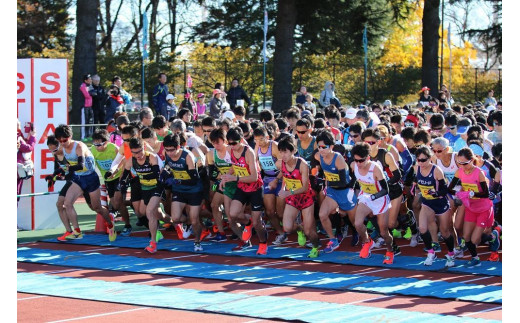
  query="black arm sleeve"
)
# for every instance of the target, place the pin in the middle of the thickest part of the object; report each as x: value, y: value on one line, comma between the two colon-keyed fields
x: 352, y: 182
x: 453, y: 183
x: 396, y: 176
x: 342, y: 183
x: 383, y: 191
x: 485, y: 190
x: 79, y: 165
x: 443, y: 188
x: 213, y: 172
x: 123, y: 180
x: 194, y: 175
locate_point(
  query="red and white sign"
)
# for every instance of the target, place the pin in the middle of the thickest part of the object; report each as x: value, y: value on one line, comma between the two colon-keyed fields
x: 43, y: 100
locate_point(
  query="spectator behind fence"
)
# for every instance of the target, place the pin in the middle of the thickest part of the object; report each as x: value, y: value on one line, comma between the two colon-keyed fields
x: 127, y: 98
x: 114, y: 103
x: 25, y: 147
x: 99, y: 97
x: 236, y: 92
x: 201, y: 106
x: 215, y: 106
x: 171, y: 108
x: 301, y: 95
x: 87, y: 116
x: 159, y: 93
x: 328, y: 96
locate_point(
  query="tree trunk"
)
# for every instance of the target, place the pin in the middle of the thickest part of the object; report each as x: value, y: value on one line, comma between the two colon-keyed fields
x: 84, y: 52
x: 283, y: 55
x: 108, y: 22
x: 172, y: 6
x: 430, y: 38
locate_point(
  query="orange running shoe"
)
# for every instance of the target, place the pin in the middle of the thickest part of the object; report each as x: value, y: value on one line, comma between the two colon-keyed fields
x: 248, y: 232
x: 389, y: 258
x: 180, y: 231
x: 262, y: 249
x: 152, y: 247
x: 494, y: 256
x: 64, y: 236
x: 366, y: 249
x: 204, y: 234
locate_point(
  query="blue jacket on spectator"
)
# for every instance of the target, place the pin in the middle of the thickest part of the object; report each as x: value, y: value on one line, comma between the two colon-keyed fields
x: 160, y: 91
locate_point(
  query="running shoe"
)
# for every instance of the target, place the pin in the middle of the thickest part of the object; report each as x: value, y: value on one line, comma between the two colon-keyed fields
x: 355, y: 239
x: 339, y: 237
x: 366, y: 250
x: 248, y: 232
x: 474, y: 262
x: 430, y: 258
x: 379, y: 242
x: 396, y: 250
x: 64, y: 236
x: 389, y: 258
x: 197, y: 247
x: 321, y: 230
x: 158, y: 236
x: 75, y: 235
x: 450, y: 261
x: 152, y: 247
x: 414, y: 241
x: 167, y: 225
x: 397, y: 233
x: 262, y: 249
x: 462, y: 245
x: 419, y: 238
x: 281, y: 238
x: 219, y: 237
x: 331, y: 246
x: 495, y: 243
x: 314, y: 253
x: 458, y: 252
x: 242, y: 245
x: 435, y: 246
x: 345, y: 230
x: 370, y: 226
x: 188, y: 232
x: 180, y: 231
x: 205, y: 233
x: 494, y: 256
x: 301, y: 238
x: 126, y: 231
x: 309, y: 245
x: 408, y: 234
x: 112, y: 234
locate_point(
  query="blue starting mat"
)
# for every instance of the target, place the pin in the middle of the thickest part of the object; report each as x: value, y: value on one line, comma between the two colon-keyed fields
x: 281, y: 252
x: 265, y: 307
x: 266, y: 275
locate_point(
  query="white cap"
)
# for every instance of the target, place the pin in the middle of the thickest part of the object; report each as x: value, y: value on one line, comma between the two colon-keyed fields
x: 170, y: 97
x: 388, y: 103
x: 351, y: 113
x: 228, y: 114
x: 375, y: 119
x: 404, y: 114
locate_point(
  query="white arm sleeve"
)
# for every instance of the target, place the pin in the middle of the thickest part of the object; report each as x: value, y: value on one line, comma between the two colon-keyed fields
x: 116, y: 162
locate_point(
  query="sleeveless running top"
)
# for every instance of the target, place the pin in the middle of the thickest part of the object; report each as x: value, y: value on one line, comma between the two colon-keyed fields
x: 144, y: 172
x: 330, y: 171
x: 449, y: 171
x: 427, y: 183
x: 72, y: 158
x: 367, y: 182
x: 267, y: 161
x: 471, y: 182
x: 306, y: 153
x: 104, y: 159
x: 293, y: 179
x: 223, y: 165
x: 179, y: 170
x: 241, y: 168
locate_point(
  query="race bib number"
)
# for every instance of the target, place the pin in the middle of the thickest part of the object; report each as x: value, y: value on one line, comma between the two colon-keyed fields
x: 424, y: 191
x: 267, y: 163
x: 292, y: 184
x: 181, y: 175
x: 104, y: 164
x: 224, y: 170
x: 240, y: 171
x: 470, y: 187
x: 368, y: 187
x: 331, y: 177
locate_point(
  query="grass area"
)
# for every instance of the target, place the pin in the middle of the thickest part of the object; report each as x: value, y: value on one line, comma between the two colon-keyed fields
x: 86, y: 220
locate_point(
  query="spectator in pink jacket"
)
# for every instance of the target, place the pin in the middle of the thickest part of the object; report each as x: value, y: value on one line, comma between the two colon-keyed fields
x: 87, y: 117
x: 25, y: 147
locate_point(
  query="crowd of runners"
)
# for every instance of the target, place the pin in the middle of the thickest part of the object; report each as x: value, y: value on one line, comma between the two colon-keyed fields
x: 428, y: 172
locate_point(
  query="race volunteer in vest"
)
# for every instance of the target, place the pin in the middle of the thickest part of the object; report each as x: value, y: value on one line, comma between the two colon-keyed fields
x: 145, y: 165
x: 372, y: 199
x: 267, y: 154
x: 479, y: 214
x: 298, y: 195
x: 104, y: 153
x: 246, y: 172
x: 392, y: 175
x: 219, y: 164
x: 338, y: 194
x: 84, y: 179
x: 432, y: 185
x: 187, y: 185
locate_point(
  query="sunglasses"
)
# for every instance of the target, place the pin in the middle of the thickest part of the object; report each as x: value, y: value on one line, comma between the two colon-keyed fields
x: 464, y: 163
x: 232, y: 143
x: 63, y: 140
x: 409, y: 125
x: 360, y: 160
x: 100, y: 144
x: 126, y: 140
x: 169, y: 150
x: 354, y: 135
x: 438, y: 151
x: 453, y: 127
x: 136, y: 152
x: 371, y: 143
x: 302, y: 132
x: 437, y: 129
x: 54, y: 150
x: 207, y: 131
x: 422, y: 160
x: 323, y: 146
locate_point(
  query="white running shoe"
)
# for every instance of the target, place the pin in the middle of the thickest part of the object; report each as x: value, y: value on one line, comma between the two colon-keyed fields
x: 187, y: 232
x: 450, y: 261
x: 459, y: 253
x: 197, y: 247
x: 429, y: 259
x: 413, y: 240
x: 281, y: 238
x: 379, y: 242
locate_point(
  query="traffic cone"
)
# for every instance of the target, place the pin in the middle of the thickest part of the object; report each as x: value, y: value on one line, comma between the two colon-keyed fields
x: 101, y: 225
